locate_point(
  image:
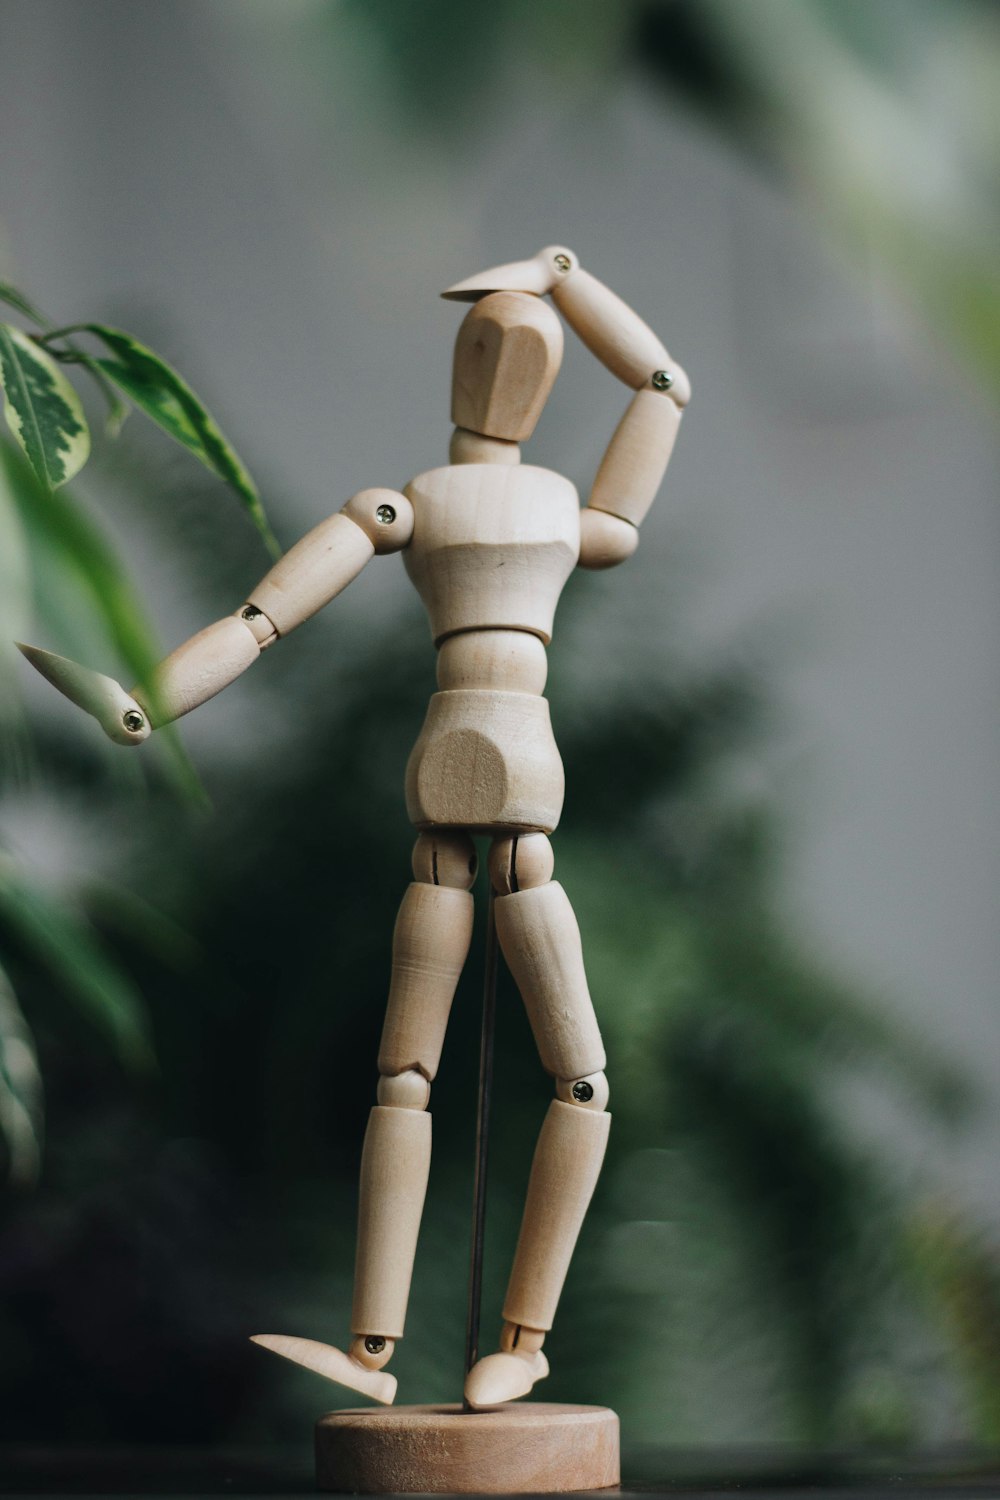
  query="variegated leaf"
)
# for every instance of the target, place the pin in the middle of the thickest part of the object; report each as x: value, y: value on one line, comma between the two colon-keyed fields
x: 21, y: 1098
x: 159, y: 391
x: 42, y: 409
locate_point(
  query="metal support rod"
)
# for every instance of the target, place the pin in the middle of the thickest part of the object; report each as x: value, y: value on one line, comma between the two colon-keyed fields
x: 482, y: 1143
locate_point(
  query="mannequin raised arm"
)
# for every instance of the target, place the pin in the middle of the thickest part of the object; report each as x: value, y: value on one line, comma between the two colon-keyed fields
x: 633, y: 466
x: 635, y: 461
x: 312, y: 573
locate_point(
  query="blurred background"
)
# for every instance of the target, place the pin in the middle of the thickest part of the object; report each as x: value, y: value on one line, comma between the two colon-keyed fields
x: 779, y: 723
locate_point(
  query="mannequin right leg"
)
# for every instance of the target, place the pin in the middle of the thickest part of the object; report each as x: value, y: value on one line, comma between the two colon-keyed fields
x: 429, y: 948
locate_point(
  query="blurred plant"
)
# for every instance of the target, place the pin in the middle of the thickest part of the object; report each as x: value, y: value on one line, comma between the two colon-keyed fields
x: 881, y: 117
x: 746, y: 1237
x: 960, y: 1272
x: 54, y: 551
x: 45, y: 415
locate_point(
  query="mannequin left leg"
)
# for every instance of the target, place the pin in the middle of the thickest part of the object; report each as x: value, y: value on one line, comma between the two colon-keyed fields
x: 540, y: 940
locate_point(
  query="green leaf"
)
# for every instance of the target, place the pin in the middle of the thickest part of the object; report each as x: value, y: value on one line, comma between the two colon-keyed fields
x: 43, y: 410
x: 74, y: 955
x: 87, y: 583
x: 117, y: 410
x: 159, y: 391
x: 21, y: 1100
x: 20, y: 303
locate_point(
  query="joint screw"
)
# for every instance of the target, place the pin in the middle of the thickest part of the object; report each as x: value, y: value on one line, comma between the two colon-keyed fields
x: 374, y: 1343
x: 583, y: 1091
x: 250, y: 613
x: 133, y: 720
x: 662, y: 380
x: 563, y: 263
x: 385, y: 515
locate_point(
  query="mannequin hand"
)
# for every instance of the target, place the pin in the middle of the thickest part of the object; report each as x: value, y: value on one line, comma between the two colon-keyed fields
x: 119, y: 715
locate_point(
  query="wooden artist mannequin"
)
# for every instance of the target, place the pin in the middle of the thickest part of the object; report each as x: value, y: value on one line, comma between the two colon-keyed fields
x: 489, y: 543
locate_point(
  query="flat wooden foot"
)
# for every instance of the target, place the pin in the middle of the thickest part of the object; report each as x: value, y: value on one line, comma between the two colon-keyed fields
x: 538, y: 1447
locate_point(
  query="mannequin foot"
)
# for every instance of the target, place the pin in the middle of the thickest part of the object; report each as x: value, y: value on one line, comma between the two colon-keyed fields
x: 503, y: 1377
x: 334, y: 1364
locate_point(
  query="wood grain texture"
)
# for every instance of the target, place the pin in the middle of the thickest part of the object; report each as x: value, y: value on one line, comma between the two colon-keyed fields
x: 199, y: 669
x: 313, y: 572
x: 492, y: 547
x: 429, y: 948
x: 535, y: 1447
x: 636, y: 459
x: 395, y: 1162
x: 512, y: 661
x: 564, y: 1173
x: 605, y: 540
x: 609, y: 328
x: 476, y: 448
x: 485, y: 761
x: 507, y: 356
x: 540, y: 939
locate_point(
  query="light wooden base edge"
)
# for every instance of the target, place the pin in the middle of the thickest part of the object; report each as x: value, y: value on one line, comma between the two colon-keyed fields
x: 534, y: 1447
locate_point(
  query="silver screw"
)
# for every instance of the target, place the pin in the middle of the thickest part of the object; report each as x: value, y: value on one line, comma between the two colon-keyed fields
x: 133, y: 720
x: 563, y: 263
x: 374, y: 1343
x: 385, y: 515
x: 250, y: 613
x: 583, y: 1091
x: 663, y: 380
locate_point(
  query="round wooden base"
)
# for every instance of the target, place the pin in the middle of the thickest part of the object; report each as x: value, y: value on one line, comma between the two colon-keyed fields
x: 531, y: 1446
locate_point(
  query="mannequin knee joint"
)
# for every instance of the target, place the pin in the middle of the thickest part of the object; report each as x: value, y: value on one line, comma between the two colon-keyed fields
x: 446, y: 858
x: 591, y: 1092
x: 518, y: 862
x: 409, y: 1090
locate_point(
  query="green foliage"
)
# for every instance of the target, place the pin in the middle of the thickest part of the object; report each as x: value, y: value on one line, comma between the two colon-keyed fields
x: 71, y: 951
x: 160, y: 392
x: 960, y: 1271
x: 43, y: 410
x: 20, y: 1092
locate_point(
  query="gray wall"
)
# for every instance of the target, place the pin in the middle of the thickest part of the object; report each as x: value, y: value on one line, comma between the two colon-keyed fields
x: 194, y: 169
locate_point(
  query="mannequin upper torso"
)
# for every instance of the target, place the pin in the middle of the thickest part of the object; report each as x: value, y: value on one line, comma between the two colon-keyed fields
x: 493, y: 544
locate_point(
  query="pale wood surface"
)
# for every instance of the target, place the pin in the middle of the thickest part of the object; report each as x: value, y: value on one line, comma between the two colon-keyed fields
x: 385, y: 516
x: 395, y: 1162
x: 487, y: 761
x: 492, y: 546
x: 540, y: 939
x: 507, y: 356
x: 429, y: 947
x: 530, y: 1448
x: 564, y: 1172
x: 512, y: 661
x: 476, y: 448
x: 605, y: 540
x: 538, y: 275
x: 505, y: 1376
x: 518, y: 862
x: 92, y: 691
x: 610, y: 329
x: 632, y: 469
x: 445, y: 857
x: 333, y: 1364
x: 313, y: 572
x: 199, y: 669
